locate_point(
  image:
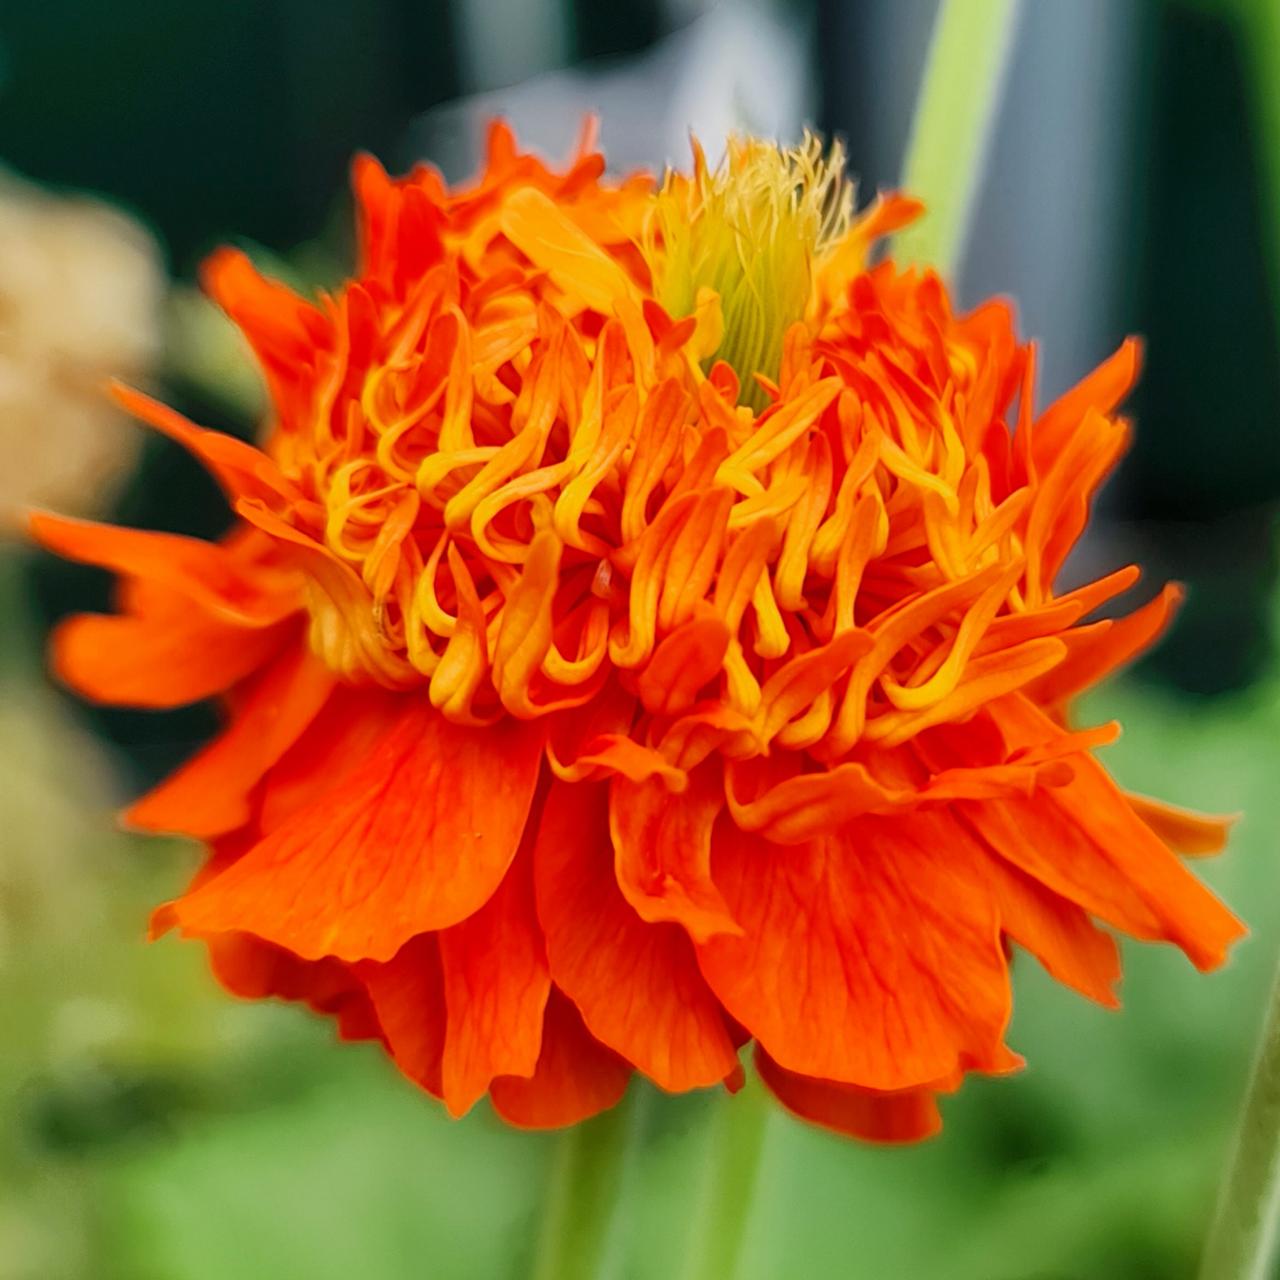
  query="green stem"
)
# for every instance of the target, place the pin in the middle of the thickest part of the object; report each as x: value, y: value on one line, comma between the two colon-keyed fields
x: 1242, y: 1237
x: 728, y: 1184
x: 968, y: 55
x: 590, y: 1172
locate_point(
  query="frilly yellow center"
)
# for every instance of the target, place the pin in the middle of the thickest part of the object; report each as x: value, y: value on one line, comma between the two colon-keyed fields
x: 746, y: 238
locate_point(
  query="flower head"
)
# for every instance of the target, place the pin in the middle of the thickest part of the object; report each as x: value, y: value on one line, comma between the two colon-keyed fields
x: 639, y: 638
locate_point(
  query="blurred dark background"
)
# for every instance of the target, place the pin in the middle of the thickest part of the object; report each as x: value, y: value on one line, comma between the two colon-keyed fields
x: 1132, y: 186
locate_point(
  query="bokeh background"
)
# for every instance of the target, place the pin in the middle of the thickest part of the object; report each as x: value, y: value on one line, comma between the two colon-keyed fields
x: 153, y: 1129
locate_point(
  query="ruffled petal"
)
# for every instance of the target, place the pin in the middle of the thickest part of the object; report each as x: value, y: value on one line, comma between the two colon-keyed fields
x: 908, y: 1115
x: 414, y: 840
x: 637, y: 985
x: 209, y: 795
x: 575, y: 1079
x: 870, y: 956
x: 496, y: 984
x: 178, y: 638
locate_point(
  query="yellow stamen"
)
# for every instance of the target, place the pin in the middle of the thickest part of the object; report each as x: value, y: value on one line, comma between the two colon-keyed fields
x: 752, y: 230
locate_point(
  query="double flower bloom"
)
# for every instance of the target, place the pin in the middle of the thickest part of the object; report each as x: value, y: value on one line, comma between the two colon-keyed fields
x: 639, y: 639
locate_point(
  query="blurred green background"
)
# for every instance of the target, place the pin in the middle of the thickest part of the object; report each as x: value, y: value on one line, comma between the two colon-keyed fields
x: 153, y: 1129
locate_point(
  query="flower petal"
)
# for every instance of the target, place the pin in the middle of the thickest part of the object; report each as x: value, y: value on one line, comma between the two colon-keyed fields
x: 686, y: 660
x: 339, y: 740
x: 1096, y: 650
x: 1057, y: 932
x: 575, y: 1079
x: 544, y: 233
x: 1102, y: 390
x: 283, y: 330
x: 662, y: 851
x: 908, y: 1115
x: 496, y: 984
x: 1084, y: 841
x: 667, y: 1023
x: 240, y: 469
x: 354, y: 645
x: 407, y: 993
x: 870, y: 956
x: 255, y: 970
x: 1186, y: 832
x: 209, y: 795
x: 415, y: 839
x: 159, y: 662
x: 806, y: 806
x: 208, y: 574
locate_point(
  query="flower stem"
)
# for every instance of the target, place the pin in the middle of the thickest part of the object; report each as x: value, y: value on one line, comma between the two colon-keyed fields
x: 587, y: 1183
x: 726, y: 1191
x: 968, y: 55
x: 1242, y: 1237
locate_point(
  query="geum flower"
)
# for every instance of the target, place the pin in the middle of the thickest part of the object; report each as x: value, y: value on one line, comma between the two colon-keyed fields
x: 638, y: 639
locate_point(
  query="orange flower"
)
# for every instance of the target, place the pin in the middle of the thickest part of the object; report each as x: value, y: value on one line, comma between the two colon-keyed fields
x: 639, y: 639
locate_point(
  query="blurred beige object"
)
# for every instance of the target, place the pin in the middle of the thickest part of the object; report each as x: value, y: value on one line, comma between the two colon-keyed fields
x: 82, y: 288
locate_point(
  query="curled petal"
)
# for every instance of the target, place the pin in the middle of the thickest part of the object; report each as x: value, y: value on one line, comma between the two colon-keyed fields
x: 343, y: 629
x: 613, y: 753
x: 527, y: 626
x: 690, y: 657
